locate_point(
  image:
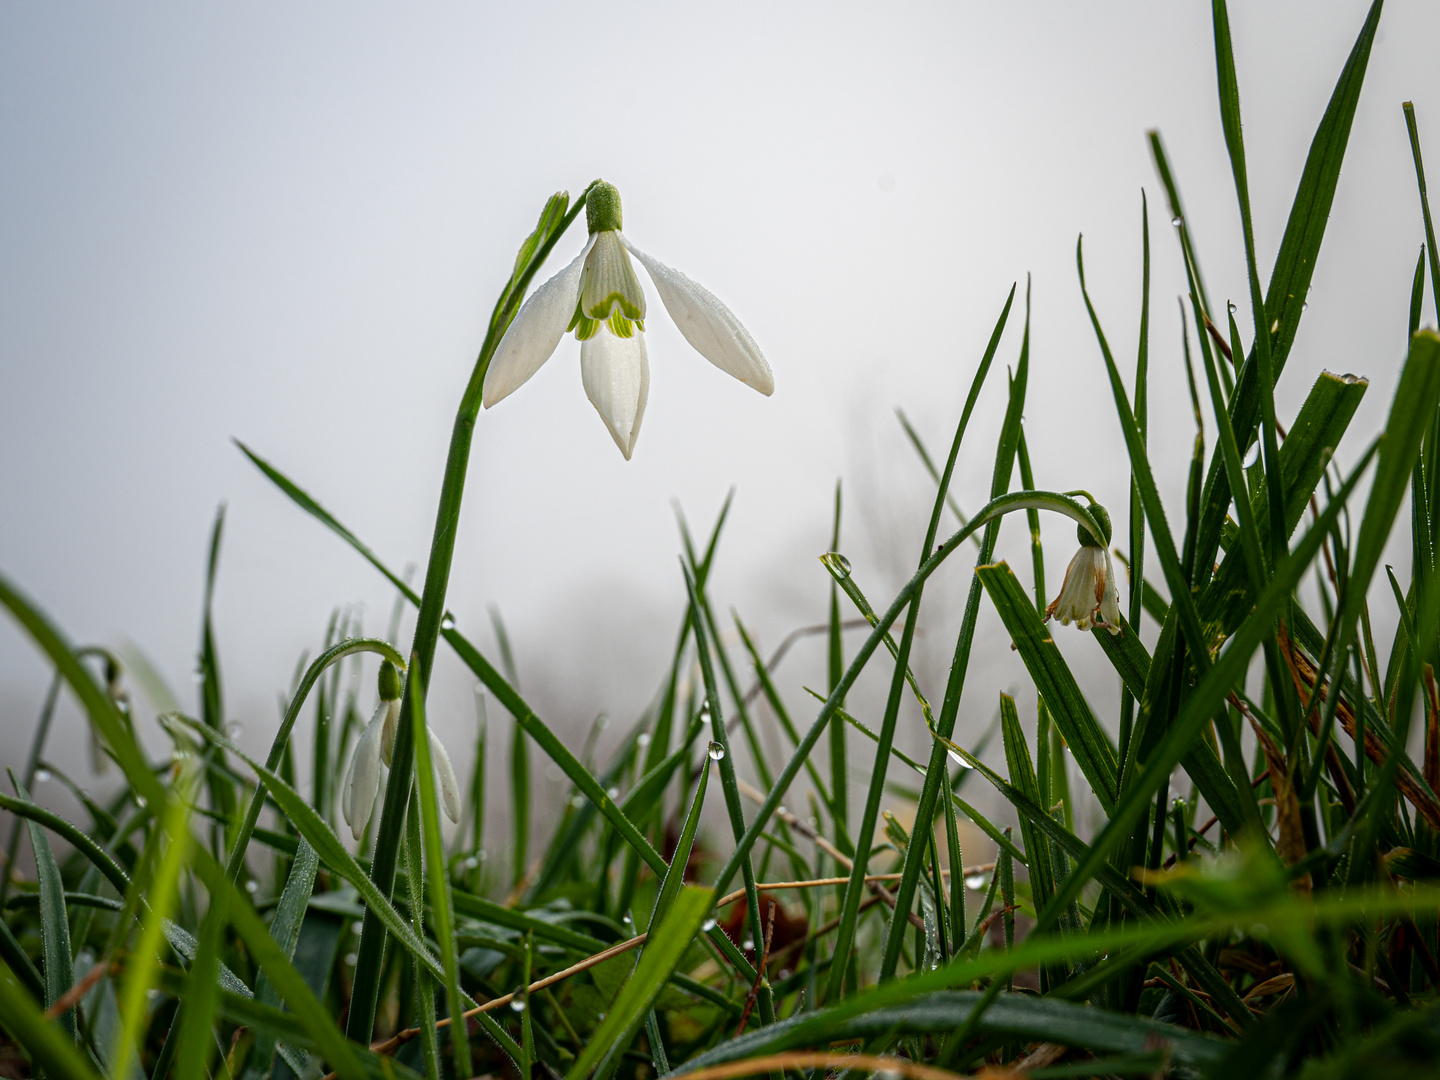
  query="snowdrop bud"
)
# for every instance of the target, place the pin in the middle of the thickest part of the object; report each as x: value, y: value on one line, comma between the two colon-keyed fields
x: 390, y: 684
x: 1102, y: 518
x: 602, y: 208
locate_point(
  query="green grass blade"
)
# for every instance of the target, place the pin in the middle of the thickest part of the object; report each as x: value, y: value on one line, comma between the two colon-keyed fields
x: 440, y: 907
x: 54, y: 918
x: 675, y: 877
x: 197, y: 1036
x: 46, y: 1044
x: 835, y: 657
x: 285, y: 929
x: 425, y: 1014
x: 663, y: 952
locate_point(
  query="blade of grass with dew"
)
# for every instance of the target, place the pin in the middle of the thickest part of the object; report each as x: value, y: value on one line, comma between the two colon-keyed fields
x: 197, y: 1037
x: 519, y: 765
x: 937, y: 772
x: 212, y: 699
x: 728, y: 785
x: 663, y: 952
x: 312, y: 674
x: 440, y: 904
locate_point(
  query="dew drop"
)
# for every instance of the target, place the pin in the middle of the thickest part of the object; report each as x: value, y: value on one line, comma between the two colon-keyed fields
x: 976, y: 882
x: 351, y: 959
x: 748, y: 944
x: 1230, y: 306
x: 517, y: 1004
x: 781, y: 811
x: 602, y: 722
x: 1305, y: 306
x: 42, y: 776
x: 707, y: 926
x: 717, y: 752
x: 198, y: 675
x: 471, y: 862
x: 252, y: 886
x: 1252, y: 455
x: 234, y: 728
x: 357, y: 926
x: 577, y: 801
x: 482, y: 854
x: 613, y: 793
x: 447, y: 622
x: 1177, y: 221
x: 642, y: 740
x: 625, y: 919
x: 840, y: 563
x: 959, y: 760
x: 141, y: 801
x: 123, y: 705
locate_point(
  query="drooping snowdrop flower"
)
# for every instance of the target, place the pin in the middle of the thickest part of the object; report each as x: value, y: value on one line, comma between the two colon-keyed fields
x: 600, y: 298
x: 1088, y: 596
x: 375, y: 747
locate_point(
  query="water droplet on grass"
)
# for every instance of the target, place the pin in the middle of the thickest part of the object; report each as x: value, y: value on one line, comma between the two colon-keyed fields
x: 707, y: 926
x: 42, y: 776
x: 976, y: 881
x: 1177, y: 221
x: 252, y: 886
x: 1252, y: 455
x: 234, y: 728
x: 840, y: 563
x: 471, y: 862
x: 517, y: 1004
x: 959, y: 760
x: 717, y: 752
x: 643, y: 739
x: 447, y: 622
x: 351, y: 959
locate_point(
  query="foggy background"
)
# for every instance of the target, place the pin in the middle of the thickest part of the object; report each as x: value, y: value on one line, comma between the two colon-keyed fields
x: 288, y: 224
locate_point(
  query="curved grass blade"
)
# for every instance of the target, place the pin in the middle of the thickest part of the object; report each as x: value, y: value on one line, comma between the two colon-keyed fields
x: 46, y: 1044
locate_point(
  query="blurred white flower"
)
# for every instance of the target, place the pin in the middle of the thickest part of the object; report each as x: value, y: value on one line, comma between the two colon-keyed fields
x: 1088, y: 596
x: 375, y: 747
x: 600, y: 298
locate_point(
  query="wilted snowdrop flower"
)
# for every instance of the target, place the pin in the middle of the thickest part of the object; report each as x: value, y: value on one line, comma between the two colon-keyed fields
x: 1088, y: 596
x: 600, y: 298
x: 375, y: 746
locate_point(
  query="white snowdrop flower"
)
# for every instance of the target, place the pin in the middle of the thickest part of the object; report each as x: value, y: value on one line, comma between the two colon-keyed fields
x: 599, y: 297
x: 376, y: 746
x: 1088, y: 596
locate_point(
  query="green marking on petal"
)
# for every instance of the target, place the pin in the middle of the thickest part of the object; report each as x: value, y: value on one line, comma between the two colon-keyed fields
x: 608, y: 281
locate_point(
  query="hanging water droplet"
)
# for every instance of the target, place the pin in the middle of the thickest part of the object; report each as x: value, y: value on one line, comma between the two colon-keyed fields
x: 613, y: 793
x: 42, y: 776
x: 840, y: 563
x: 625, y: 919
x: 781, y: 811
x: 1305, y: 306
x: 357, y: 926
x: 471, y: 862
x: 122, y: 705
x: 351, y: 959
x: 198, y: 675
x: 707, y: 926
x: 814, y: 821
x: 234, y: 728
x: 1177, y: 221
x: 577, y: 801
x: 959, y: 760
x: 447, y: 622
x: 976, y: 881
x: 252, y: 886
x: 748, y: 944
x: 642, y: 740
x: 1252, y: 455
x: 602, y: 722
x: 1230, y: 306
x: 717, y: 752
x: 517, y: 1004
x: 141, y: 801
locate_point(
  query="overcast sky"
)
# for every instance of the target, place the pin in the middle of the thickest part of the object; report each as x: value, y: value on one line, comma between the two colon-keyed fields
x: 287, y: 224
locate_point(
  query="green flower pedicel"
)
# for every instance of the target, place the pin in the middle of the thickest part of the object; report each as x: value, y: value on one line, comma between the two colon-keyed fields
x: 600, y: 298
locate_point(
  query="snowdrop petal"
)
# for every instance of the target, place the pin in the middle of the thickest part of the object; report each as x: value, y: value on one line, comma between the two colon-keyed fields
x: 1110, y: 601
x: 445, y: 777
x: 364, y: 777
x: 708, y: 325
x: 535, y: 332
x: 616, y: 374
